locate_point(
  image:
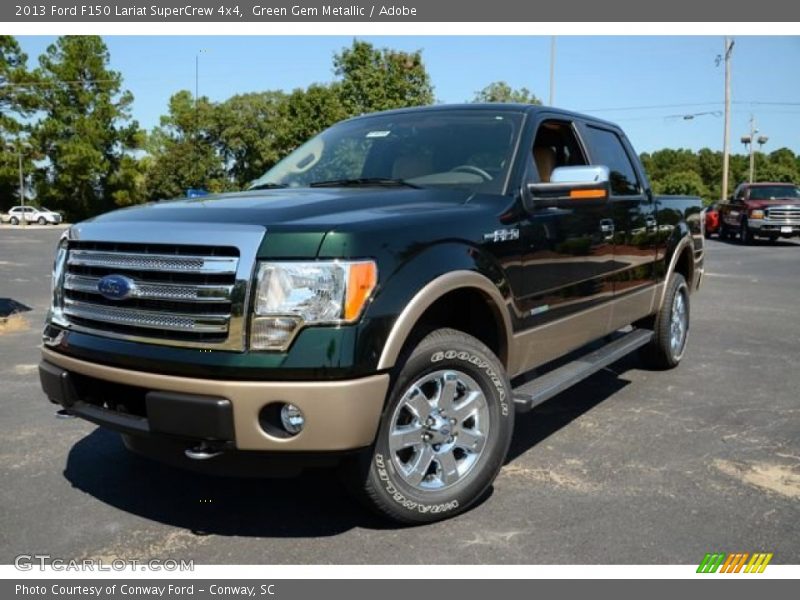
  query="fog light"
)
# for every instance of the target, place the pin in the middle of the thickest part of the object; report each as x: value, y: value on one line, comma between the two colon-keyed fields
x: 292, y: 419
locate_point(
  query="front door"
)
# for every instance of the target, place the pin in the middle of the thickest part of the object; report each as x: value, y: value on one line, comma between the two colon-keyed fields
x: 568, y: 262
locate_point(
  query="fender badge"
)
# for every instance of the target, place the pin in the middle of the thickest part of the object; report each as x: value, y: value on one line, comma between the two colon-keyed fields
x: 501, y: 235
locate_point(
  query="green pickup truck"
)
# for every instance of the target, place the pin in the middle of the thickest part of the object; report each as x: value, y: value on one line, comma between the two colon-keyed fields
x: 384, y: 299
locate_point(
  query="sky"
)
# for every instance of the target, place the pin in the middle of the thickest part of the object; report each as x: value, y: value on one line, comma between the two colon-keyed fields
x: 645, y: 84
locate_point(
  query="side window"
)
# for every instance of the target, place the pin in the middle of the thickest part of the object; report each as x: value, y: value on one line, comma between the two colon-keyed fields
x: 607, y: 149
x: 556, y: 145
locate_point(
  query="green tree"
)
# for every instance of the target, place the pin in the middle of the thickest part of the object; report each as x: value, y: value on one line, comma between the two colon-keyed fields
x: 373, y: 79
x: 683, y: 183
x: 772, y: 171
x: 304, y: 113
x: 247, y: 133
x: 183, y: 150
x: 129, y: 181
x: 86, y: 131
x: 16, y: 103
x: 500, y: 91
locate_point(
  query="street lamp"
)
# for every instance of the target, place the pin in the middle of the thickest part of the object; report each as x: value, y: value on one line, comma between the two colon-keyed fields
x: 749, y: 141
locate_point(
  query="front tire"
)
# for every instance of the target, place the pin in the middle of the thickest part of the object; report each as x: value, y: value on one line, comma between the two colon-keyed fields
x: 671, y: 327
x: 745, y: 234
x: 444, y: 433
x: 42, y: 221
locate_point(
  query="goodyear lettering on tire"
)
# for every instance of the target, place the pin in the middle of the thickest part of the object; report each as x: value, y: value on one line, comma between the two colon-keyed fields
x: 481, y: 364
x: 401, y: 499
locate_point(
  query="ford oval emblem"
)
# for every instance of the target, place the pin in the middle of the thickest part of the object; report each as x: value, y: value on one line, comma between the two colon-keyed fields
x: 116, y: 287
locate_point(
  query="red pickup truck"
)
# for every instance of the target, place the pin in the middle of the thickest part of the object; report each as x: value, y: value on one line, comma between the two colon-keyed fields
x: 768, y: 210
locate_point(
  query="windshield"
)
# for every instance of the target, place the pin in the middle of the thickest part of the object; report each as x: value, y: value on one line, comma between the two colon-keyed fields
x: 470, y: 149
x: 773, y: 192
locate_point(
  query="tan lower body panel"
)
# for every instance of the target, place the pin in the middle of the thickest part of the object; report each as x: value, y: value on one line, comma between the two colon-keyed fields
x: 547, y: 342
x: 340, y: 415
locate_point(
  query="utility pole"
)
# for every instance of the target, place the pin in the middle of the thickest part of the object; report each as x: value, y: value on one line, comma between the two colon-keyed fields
x: 552, y: 69
x: 21, y: 184
x: 197, y: 175
x: 726, y: 147
x: 753, y: 132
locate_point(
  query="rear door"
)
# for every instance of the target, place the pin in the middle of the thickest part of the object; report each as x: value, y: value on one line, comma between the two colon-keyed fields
x: 632, y: 209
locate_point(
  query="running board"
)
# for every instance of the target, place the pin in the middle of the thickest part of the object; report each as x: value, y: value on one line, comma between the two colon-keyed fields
x: 541, y: 389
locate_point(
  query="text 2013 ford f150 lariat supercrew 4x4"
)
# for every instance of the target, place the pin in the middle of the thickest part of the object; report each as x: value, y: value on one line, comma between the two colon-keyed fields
x: 373, y: 299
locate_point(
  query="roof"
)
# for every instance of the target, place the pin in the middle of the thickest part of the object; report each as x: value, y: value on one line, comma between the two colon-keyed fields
x: 494, y: 106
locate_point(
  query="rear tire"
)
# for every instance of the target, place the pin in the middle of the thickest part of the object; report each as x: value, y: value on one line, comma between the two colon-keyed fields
x: 14, y: 221
x: 671, y: 327
x: 444, y: 433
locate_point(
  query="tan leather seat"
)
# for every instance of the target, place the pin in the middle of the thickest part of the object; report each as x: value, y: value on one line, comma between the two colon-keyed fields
x: 545, y: 159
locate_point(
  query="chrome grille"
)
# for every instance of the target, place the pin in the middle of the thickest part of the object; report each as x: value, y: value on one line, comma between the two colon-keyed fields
x: 154, y: 290
x: 789, y: 214
x: 154, y: 262
x: 180, y: 293
x: 149, y: 319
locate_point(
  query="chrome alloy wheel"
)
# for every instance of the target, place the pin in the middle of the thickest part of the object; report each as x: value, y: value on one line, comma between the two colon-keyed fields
x: 439, y: 430
x: 679, y: 322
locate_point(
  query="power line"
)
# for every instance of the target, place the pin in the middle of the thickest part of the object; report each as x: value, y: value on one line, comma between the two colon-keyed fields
x: 53, y: 83
x: 651, y: 107
x: 758, y: 103
x: 689, y: 104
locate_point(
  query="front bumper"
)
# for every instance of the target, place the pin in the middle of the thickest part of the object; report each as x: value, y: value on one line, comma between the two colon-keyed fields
x: 339, y: 415
x: 773, y: 227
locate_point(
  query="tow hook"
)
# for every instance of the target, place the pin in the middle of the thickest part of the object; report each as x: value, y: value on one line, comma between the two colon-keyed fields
x: 203, y: 451
x: 64, y: 414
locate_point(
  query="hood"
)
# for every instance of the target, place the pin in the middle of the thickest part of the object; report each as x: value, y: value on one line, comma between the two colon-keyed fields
x: 300, y: 208
x: 756, y: 204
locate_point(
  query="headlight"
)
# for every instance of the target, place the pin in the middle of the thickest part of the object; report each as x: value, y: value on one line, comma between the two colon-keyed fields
x: 756, y: 214
x: 57, y: 281
x: 290, y: 295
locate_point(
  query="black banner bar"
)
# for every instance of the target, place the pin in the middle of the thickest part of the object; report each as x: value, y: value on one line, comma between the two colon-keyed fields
x: 733, y: 588
x: 310, y: 11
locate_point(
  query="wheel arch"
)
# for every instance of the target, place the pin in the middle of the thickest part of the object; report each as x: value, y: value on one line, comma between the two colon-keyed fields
x: 681, y: 261
x: 461, y: 288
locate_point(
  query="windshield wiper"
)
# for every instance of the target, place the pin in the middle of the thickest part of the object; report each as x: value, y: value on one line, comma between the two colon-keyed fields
x: 268, y: 186
x: 365, y: 181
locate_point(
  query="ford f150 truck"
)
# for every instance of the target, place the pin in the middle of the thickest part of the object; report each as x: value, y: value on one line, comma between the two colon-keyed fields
x: 769, y: 210
x: 386, y: 298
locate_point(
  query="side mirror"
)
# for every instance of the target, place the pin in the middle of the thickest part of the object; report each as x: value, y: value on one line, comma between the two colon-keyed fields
x: 572, y: 184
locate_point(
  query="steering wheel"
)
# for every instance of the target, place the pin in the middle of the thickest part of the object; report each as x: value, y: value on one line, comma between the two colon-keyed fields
x: 471, y: 169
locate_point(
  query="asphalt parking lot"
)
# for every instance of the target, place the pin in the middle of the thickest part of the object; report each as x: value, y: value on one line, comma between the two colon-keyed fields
x: 630, y: 466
